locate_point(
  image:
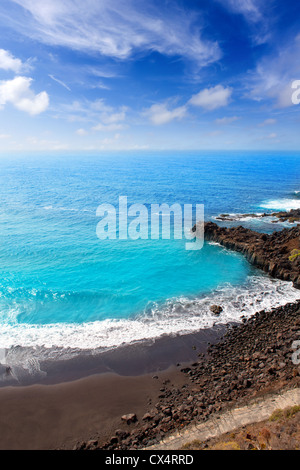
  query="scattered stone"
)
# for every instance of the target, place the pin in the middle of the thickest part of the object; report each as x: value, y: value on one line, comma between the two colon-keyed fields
x: 216, y: 309
x: 130, y: 418
x: 121, y: 434
x: 147, y: 417
x: 185, y: 370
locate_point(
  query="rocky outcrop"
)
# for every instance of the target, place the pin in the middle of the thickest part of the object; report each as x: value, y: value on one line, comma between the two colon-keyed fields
x: 216, y: 309
x: 291, y: 216
x: 273, y: 253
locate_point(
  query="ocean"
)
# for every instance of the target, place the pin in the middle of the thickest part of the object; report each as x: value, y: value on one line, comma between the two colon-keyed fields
x: 64, y: 291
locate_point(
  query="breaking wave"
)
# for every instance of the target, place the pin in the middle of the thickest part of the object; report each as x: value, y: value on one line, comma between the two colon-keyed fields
x: 175, y: 317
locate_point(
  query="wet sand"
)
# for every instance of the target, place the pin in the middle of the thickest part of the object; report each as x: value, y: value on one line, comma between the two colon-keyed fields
x: 86, y: 397
x: 57, y: 416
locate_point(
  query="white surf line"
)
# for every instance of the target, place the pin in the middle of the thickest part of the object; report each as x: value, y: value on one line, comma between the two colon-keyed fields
x: 254, y: 412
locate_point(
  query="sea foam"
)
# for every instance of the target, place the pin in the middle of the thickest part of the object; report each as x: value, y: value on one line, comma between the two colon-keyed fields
x: 281, y: 204
x: 176, y: 316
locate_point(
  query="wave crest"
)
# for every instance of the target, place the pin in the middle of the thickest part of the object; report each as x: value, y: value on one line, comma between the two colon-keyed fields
x: 176, y: 316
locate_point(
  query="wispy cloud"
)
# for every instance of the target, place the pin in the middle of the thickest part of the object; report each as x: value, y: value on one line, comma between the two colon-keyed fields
x: 99, y: 85
x: 44, y: 144
x: 108, y: 127
x: 86, y: 111
x: 102, y: 72
x: 116, y: 29
x: 81, y: 132
x: 226, y: 120
x: 273, y: 75
x: 97, y: 114
x: 267, y: 122
x: 18, y: 92
x: 257, y: 14
x: 110, y: 119
x: 251, y: 9
x: 60, y: 82
x: 213, y: 133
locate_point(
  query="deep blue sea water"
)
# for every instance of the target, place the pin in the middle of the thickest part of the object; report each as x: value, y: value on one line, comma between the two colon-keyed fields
x: 61, y: 288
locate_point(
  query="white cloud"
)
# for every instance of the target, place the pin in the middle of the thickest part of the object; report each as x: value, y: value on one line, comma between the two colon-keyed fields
x: 212, y: 98
x: 160, y: 114
x: 9, y: 62
x: 17, y: 92
x: 226, y: 120
x: 115, y: 29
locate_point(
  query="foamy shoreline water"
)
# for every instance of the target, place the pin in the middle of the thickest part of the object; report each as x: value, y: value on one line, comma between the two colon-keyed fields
x: 28, y: 345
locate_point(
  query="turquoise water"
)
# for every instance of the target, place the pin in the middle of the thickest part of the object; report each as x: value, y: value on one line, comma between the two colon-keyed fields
x: 60, y: 286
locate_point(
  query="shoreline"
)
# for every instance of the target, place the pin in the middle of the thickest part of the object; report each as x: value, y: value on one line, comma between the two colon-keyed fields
x: 135, y: 359
x: 69, y: 406
x: 244, y: 360
x: 23, y: 366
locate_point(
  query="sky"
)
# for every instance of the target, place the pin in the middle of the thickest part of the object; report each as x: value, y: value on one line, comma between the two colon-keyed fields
x: 100, y: 75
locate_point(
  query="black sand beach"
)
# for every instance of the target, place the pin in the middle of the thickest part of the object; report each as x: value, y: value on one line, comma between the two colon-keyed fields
x: 87, y: 395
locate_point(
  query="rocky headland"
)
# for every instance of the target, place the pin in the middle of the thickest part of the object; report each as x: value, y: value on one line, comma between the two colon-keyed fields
x: 278, y: 254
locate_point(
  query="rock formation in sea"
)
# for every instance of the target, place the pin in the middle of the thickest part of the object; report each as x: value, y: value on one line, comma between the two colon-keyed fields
x: 278, y: 254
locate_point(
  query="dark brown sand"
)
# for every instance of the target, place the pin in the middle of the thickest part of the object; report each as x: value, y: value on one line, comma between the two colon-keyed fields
x: 71, y: 407
x: 56, y: 416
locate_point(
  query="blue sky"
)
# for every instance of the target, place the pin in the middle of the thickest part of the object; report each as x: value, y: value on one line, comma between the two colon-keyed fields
x: 94, y: 75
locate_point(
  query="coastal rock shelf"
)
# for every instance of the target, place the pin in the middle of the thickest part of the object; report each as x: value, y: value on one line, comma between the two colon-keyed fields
x: 276, y: 254
x: 292, y: 216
